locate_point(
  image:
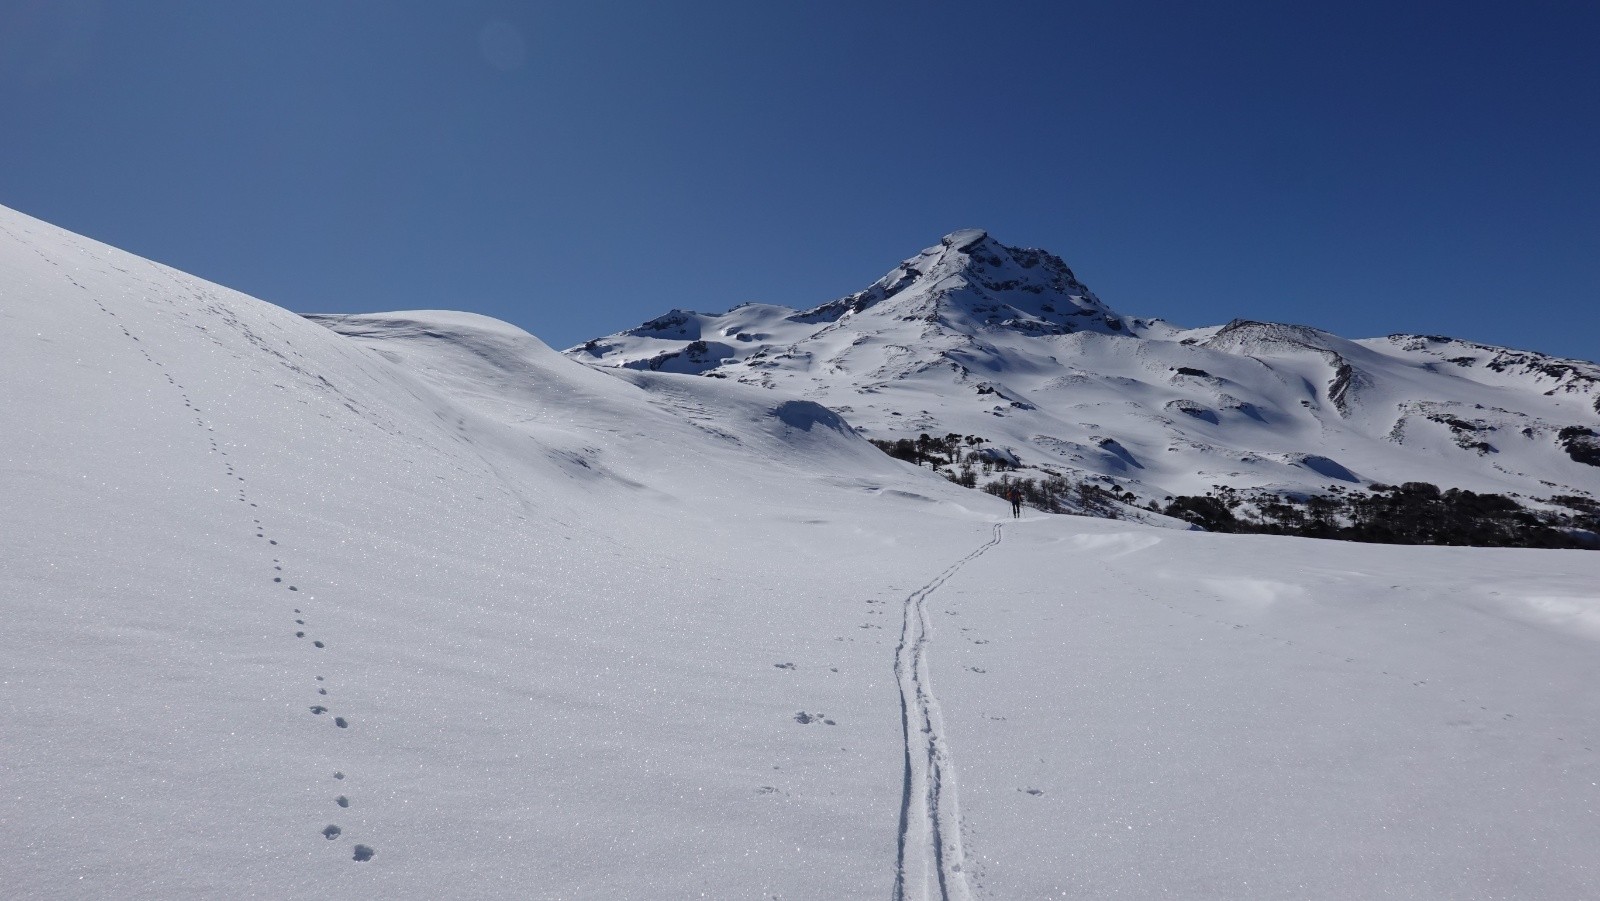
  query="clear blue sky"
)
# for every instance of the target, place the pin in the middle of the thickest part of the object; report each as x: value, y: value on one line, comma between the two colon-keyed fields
x: 578, y: 167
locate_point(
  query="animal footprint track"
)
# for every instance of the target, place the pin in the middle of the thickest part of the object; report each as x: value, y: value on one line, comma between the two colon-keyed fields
x: 784, y: 665
x: 330, y: 832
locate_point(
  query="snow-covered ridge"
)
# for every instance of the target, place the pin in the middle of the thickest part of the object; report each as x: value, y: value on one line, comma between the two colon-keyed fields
x: 409, y: 607
x: 974, y: 337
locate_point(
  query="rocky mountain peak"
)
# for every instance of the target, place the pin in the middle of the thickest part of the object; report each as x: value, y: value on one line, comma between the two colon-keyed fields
x: 964, y: 238
x: 971, y: 281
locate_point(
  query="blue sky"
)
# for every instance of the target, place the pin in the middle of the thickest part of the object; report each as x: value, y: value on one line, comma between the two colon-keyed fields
x: 576, y: 168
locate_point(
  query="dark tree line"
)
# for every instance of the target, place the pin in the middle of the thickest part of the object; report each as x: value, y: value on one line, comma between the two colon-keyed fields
x: 926, y: 450
x: 963, y: 457
x: 1057, y: 495
x: 1412, y: 513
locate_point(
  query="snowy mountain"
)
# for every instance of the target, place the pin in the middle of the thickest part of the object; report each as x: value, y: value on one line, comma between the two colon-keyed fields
x: 977, y: 338
x: 409, y: 606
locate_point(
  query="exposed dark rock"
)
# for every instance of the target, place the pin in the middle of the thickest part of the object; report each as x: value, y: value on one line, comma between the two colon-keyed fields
x: 1581, y: 443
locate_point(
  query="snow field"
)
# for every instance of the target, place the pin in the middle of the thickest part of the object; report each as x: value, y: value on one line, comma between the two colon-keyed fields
x: 517, y: 628
x: 1219, y: 716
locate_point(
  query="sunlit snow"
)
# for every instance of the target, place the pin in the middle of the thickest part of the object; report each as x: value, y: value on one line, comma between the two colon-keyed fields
x: 411, y: 606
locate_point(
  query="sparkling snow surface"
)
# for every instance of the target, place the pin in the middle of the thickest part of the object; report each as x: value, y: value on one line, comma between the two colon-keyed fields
x: 285, y: 594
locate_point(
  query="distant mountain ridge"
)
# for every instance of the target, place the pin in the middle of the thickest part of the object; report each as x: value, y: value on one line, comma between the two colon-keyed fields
x: 974, y: 337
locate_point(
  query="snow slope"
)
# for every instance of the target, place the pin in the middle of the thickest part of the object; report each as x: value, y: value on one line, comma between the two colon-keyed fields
x: 551, y: 603
x: 974, y: 337
x: 284, y: 594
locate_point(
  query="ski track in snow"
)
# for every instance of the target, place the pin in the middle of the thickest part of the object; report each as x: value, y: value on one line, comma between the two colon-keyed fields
x: 236, y: 481
x: 928, y: 859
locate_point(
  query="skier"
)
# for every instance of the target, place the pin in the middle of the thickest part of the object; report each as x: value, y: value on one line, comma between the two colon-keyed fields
x: 1015, y: 497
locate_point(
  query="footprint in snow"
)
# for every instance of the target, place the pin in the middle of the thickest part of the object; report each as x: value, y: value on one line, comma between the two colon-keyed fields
x: 332, y: 832
x: 362, y: 852
x: 784, y: 665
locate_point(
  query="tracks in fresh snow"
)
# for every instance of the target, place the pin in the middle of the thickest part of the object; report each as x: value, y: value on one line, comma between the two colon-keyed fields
x: 230, y: 475
x: 928, y: 862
